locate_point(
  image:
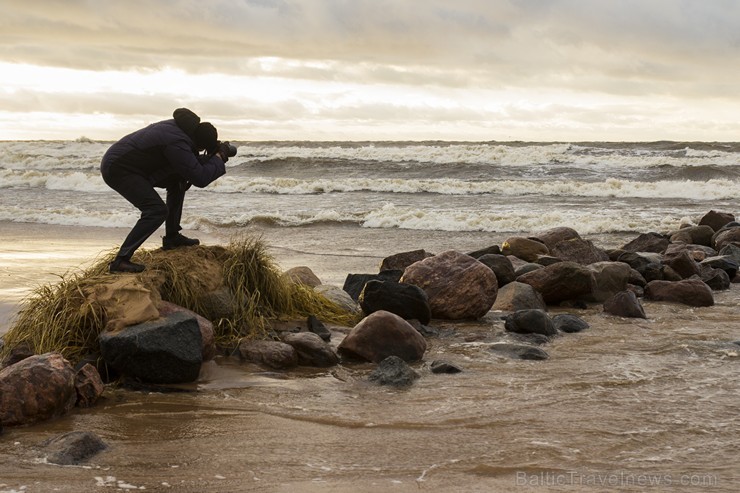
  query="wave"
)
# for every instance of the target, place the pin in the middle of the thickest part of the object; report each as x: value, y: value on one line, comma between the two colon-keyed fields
x: 715, y: 189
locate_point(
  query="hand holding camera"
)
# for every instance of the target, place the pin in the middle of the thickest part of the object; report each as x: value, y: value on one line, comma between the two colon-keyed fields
x: 225, y: 150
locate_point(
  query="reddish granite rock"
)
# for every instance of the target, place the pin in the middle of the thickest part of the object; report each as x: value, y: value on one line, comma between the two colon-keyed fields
x: 560, y: 282
x: 716, y: 220
x: 457, y: 285
x: 553, y: 236
x: 37, y: 388
x: 275, y: 354
x: 88, y: 385
x: 383, y: 334
x: 692, y: 292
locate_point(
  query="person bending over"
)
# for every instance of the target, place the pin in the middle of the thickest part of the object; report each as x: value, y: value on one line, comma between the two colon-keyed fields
x: 167, y: 155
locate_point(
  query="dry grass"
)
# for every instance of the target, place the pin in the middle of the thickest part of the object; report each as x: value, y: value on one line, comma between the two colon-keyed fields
x: 59, y: 318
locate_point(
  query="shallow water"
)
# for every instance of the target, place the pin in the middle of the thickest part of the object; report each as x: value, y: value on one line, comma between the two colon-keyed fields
x: 623, y: 404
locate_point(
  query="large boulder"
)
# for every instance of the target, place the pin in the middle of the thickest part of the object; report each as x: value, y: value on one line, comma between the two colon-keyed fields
x: 692, y: 292
x: 208, y: 344
x: 648, y: 242
x: 405, y: 300
x: 726, y: 236
x: 524, y: 248
x: 716, y: 220
x: 166, y: 350
x: 400, y: 261
x: 649, y: 265
x: 518, y: 296
x: 530, y: 322
x: 716, y: 279
x: 275, y: 354
x: 37, y: 388
x: 382, y: 334
x: 725, y: 262
x: 610, y: 278
x: 457, y: 285
x: 339, y: 297
x: 560, y: 282
x: 624, y: 304
x: 553, y: 236
x: 501, y: 266
x: 302, y: 275
x: 579, y: 250
x: 312, y: 350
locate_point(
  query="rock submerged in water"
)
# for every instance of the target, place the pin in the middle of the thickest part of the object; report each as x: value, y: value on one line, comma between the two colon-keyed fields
x: 457, y: 285
x: 692, y: 292
x: 531, y: 321
x: 393, y: 371
x: 518, y: 351
x: 73, y: 448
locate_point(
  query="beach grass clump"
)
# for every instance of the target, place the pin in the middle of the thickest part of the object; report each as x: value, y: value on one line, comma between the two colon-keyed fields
x: 64, y: 317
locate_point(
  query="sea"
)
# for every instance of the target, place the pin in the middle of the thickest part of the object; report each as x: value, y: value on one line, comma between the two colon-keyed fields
x: 626, y: 405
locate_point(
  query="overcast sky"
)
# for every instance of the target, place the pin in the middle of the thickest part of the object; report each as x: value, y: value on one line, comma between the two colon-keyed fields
x: 374, y: 69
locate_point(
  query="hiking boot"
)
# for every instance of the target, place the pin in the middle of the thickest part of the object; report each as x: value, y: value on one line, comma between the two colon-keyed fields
x: 123, y: 265
x: 178, y: 240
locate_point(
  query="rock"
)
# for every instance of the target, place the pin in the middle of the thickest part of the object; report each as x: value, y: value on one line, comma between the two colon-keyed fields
x: 560, y: 282
x: 339, y: 297
x: 531, y: 339
x: 580, y: 251
x: 208, y: 341
x: 553, y: 236
x: 166, y: 350
x: 311, y: 349
x: 402, y: 260
x: 525, y: 268
x: 648, y: 242
x: 17, y: 353
x: 636, y: 278
x: 382, y: 334
x: 458, y: 286
x: 441, y: 366
x: 692, y: 292
x: 405, y: 300
x: 393, y: 371
x: 317, y: 327
x: 501, y: 267
x: 726, y: 236
x: 217, y: 304
x: 303, y: 275
x: 716, y: 220
x: 546, y: 260
x: 716, y: 279
x: 424, y: 330
x: 518, y: 351
x: 699, y: 235
x: 624, y: 304
x: 530, y: 322
x: 731, y: 250
x: 649, y: 265
x: 725, y: 262
x: 668, y: 274
x: 683, y: 264
x: 566, y: 322
x: 355, y: 283
x: 73, y: 448
x: 609, y: 278
x: 88, y: 386
x: 491, y: 250
x: 696, y: 252
x: 275, y: 354
x: 37, y: 388
x: 524, y: 248
x: 518, y: 296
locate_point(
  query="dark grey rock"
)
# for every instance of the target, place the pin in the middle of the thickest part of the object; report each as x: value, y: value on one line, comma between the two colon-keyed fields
x: 311, y: 349
x: 501, y: 266
x: 405, y: 300
x: 165, y: 350
x: 566, y: 322
x: 624, y: 304
x: 492, y: 250
x: 400, y: 261
x: 531, y: 321
x: 648, y: 242
x: 393, y: 371
x: 355, y: 283
x: 317, y: 327
x: 518, y: 351
x: 716, y: 279
x: 73, y: 448
x: 725, y: 262
x: 441, y: 366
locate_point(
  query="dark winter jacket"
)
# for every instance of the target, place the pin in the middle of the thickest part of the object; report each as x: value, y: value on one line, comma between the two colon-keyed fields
x: 163, y: 153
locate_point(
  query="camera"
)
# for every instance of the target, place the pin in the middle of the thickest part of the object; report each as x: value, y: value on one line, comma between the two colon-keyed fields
x: 226, y: 149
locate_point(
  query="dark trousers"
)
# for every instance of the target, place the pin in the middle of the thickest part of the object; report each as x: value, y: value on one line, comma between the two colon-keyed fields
x: 137, y: 190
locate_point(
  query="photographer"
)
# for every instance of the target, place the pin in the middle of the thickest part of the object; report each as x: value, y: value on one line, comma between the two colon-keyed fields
x: 165, y: 154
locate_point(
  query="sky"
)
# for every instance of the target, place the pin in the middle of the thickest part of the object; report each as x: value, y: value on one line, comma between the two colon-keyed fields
x: 473, y: 70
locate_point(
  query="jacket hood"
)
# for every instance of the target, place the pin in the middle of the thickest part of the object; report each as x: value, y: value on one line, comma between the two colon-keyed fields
x: 186, y: 120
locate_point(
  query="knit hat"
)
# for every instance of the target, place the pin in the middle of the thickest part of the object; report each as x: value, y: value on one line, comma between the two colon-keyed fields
x: 186, y: 120
x: 205, y: 136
